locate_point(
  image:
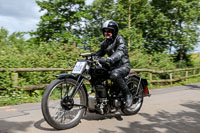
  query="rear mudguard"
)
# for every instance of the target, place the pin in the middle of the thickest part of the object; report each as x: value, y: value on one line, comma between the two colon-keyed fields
x: 144, y: 84
x: 67, y: 75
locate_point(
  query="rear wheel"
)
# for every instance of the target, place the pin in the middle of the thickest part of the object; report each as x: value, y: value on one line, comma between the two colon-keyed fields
x: 137, y: 97
x: 59, y: 110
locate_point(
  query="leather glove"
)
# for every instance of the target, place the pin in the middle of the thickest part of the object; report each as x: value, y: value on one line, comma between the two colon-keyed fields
x: 104, y: 60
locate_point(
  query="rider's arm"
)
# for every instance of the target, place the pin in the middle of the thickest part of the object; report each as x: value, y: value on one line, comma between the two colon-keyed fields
x: 120, y: 51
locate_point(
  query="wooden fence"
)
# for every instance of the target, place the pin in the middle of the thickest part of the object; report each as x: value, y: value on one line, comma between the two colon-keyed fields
x: 189, y: 73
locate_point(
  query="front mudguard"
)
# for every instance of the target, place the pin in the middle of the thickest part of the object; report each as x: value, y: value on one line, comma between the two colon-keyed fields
x: 75, y: 77
x: 143, y: 82
x: 66, y: 75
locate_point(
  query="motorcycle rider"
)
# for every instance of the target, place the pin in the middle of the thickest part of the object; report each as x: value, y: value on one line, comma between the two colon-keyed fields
x: 115, y: 47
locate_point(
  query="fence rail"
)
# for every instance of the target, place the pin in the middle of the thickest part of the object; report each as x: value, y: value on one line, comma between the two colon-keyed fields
x: 172, y: 78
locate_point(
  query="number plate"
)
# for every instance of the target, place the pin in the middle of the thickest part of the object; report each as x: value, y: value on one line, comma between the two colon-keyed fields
x: 79, y: 67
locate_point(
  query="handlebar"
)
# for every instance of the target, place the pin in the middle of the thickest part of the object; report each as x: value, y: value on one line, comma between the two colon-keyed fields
x: 88, y: 54
x: 93, y: 58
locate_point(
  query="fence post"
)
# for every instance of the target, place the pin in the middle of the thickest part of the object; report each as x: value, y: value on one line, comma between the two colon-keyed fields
x: 194, y: 71
x: 15, y: 79
x: 171, y: 77
x: 186, y: 75
x: 150, y: 79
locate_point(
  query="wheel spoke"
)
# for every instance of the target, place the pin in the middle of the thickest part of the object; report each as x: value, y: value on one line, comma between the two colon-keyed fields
x: 62, y: 109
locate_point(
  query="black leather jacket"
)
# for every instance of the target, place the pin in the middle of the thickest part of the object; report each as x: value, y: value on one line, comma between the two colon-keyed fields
x: 116, y: 50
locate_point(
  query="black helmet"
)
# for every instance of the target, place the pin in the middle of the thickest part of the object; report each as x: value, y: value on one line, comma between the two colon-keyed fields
x: 110, y: 24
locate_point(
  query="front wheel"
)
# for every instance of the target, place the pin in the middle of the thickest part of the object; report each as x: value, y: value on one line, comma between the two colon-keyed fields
x: 58, y: 108
x: 137, y: 97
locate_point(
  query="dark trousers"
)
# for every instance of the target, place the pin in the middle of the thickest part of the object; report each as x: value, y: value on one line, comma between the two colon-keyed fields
x: 117, y: 76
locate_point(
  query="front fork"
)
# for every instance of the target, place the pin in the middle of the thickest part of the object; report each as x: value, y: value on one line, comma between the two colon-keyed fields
x: 78, y: 84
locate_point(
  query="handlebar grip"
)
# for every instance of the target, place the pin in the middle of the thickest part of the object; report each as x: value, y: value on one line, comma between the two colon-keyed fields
x: 87, y: 54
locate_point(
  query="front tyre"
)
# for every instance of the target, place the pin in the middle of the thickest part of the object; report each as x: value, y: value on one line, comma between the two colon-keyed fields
x: 59, y: 110
x: 137, y: 98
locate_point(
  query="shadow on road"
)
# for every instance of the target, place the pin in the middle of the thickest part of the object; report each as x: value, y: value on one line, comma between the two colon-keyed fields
x: 38, y: 125
x: 183, y: 121
x: 12, y: 127
x: 94, y: 116
x: 193, y: 86
x: 89, y: 117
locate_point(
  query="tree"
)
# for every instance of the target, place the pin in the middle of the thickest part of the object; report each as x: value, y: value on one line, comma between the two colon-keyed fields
x: 15, y: 39
x: 155, y: 26
x: 3, y: 35
x: 158, y: 26
x: 132, y: 16
x: 96, y: 14
x: 144, y: 26
x: 184, y: 16
x: 61, y: 19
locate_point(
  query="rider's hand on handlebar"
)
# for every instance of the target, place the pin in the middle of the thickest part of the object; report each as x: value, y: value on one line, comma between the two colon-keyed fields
x: 104, y: 60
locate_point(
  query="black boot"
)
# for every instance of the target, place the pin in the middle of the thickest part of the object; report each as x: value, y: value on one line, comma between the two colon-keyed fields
x: 119, y: 81
x: 127, y: 94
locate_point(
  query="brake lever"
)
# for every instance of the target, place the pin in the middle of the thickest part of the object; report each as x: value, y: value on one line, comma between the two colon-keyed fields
x: 96, y: 60
x: 99, y: 63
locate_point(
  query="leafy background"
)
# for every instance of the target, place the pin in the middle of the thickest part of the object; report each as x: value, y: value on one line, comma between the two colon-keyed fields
x: 160, y: 35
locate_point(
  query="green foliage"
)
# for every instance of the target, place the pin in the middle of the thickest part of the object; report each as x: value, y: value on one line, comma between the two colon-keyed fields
x: 157, y: 61
x: 196, y: 59
x: 152, y: 28
x: 61, y: 20
x: 95, y: 15
x: 18, y: 97
x: 15, y: 52
x: 42, y: 56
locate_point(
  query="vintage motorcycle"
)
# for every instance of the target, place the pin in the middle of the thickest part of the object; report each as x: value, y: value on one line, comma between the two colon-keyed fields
x: 66, y: 99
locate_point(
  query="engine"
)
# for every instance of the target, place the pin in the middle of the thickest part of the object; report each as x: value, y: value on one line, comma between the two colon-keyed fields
x: 102, y: 103
x: 100, y: 92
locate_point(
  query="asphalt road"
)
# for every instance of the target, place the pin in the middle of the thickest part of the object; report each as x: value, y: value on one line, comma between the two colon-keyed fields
x: 168, y: 110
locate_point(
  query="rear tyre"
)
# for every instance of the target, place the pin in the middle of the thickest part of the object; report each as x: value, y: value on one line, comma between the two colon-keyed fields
x: 137, y: 98
x: 58, y: 109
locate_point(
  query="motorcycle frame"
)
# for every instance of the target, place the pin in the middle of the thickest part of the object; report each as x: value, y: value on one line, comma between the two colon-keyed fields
x: 79, y: 78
